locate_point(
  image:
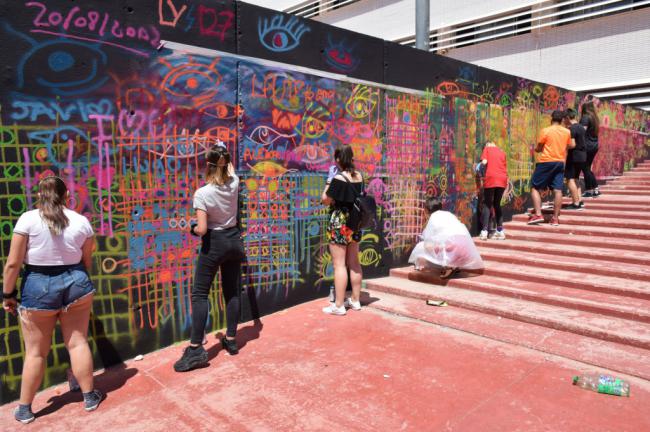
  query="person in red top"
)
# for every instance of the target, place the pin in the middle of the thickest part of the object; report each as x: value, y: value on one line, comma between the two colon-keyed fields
x: 552, y: 146
x: 495, y: 181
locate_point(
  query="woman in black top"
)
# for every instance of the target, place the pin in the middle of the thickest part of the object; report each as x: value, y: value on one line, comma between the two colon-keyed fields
x: 340, y: 194
x: 589, y: 120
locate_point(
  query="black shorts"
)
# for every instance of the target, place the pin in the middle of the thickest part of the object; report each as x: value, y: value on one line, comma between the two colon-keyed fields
x: 572, y: 169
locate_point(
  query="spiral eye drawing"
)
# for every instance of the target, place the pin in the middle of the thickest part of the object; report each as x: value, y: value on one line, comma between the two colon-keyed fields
x: 267, y: 136
x: 220, y: 110
x: 314, y: 122
x: 339, y: 56
x: 361, y: 102
x: 65, y: 68
x: 192, y: 81
x: 279, y: 36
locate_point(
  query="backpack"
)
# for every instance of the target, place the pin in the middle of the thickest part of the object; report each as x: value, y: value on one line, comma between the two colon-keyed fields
x: 363, y: 214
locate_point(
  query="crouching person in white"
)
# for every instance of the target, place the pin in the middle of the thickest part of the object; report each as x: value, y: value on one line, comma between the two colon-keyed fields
x: 446, y: 245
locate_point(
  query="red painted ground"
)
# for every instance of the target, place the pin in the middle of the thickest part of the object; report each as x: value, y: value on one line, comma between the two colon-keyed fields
x: 368, y: 371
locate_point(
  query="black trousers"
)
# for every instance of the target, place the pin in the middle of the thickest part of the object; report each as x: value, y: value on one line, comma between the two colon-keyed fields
x: 590, y: 178
x: 220, y: 250
x: 492, y: 199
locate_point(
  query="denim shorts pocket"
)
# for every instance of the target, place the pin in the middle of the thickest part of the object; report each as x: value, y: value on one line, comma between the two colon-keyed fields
x: 35, y: 286
x: 82, y: 284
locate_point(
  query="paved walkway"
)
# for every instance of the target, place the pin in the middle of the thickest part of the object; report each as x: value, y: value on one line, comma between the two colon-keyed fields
x: 368, y: 371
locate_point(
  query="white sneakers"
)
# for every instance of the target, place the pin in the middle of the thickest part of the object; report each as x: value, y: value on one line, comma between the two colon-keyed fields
x: 333, y: 310
x: 498, y: 235
x: 349, y: 304
x: 354, y: 305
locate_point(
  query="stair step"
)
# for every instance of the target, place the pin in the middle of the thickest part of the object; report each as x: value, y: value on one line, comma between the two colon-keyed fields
x: 636, y: 174
x: 623, y: 186
x: 515, y: 232
x: 630, y: 182
x: 594, y: 203
x: 544, y: 248
x: 626, y: 192
x: 632, y: 309
x: 561, y: 278
x: 592, y: 211
x: 616, y: 357
x: 582, y: 230
x: 584, y: 217
x: 618, y: 330
x: 584, y: 263
x: 623, y: 199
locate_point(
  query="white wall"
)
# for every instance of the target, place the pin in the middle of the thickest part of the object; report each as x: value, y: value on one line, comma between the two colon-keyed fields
x: 274, y: 4
x: 592, y: 53
x: 394, y: 19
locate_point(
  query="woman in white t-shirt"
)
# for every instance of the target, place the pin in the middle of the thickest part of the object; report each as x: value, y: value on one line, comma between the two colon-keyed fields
x: 55, y: 244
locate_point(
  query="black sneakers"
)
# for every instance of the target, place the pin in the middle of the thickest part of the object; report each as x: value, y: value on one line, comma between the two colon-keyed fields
x: 230, y: 345
x: 573, y: 206
x: 191, y: 359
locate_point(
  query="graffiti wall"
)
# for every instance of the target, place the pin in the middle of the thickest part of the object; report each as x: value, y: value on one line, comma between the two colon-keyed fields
x: 92, y: 93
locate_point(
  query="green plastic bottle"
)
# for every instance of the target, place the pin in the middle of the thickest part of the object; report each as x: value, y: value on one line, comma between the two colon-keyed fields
x: 603, y: 384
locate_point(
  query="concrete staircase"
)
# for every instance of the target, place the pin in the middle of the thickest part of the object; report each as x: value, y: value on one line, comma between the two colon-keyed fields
x: 580, y: 290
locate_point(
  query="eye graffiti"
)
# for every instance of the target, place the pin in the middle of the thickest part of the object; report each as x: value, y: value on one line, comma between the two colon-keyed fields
x: 192, y: 81
x: 63, y: 67
x: 314, y: 122
x: 63, y: 134
x: 339, y: 57
x: 220, y: 111
x: 279, y: 36
x: 362, y: 102
x: 267, y: 136
x: 312, y: 154
x: 185, y: 146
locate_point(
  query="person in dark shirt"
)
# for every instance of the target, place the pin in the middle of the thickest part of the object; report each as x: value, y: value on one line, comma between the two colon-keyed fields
x: 340, y: 194
x: 576, y: 159
x: 589, y: 120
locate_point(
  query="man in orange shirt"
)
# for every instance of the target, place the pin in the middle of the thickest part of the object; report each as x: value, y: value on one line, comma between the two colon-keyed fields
x: 554, y: 141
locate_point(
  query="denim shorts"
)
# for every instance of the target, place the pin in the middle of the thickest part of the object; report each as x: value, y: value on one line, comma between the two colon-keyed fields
x: 54, y: 288
x: 548, y: 175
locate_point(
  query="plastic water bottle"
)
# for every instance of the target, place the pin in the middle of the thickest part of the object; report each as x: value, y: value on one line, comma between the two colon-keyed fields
x: 603, y: 384
x: 332, y: 297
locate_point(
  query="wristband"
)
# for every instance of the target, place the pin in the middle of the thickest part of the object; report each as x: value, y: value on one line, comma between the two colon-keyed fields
x: 11, y: 295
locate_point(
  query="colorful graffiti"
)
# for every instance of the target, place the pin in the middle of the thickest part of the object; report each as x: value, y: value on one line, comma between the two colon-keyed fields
x: 92, y: 96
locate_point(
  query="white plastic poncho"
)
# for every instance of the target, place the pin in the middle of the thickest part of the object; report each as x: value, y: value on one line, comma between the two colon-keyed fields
x: 446, y: 242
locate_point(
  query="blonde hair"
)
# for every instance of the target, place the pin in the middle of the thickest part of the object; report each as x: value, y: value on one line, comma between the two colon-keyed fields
x: 52, y: 194
x: 215, y: 174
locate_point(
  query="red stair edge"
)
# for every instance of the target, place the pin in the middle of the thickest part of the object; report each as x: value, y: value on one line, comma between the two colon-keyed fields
x: 514, y: 315
x: 500, y: 329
